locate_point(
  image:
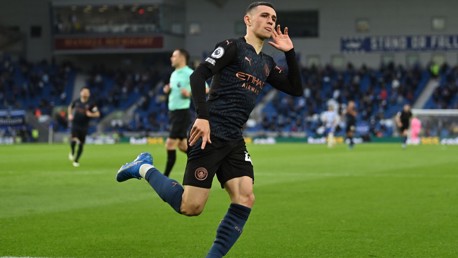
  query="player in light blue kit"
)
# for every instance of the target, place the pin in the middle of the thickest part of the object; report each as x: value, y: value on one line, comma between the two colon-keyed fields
x: 330, y: 119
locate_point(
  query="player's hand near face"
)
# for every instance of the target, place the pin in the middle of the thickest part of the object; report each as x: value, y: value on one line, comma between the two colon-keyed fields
x: 281, y: 40
x: 200, y: 129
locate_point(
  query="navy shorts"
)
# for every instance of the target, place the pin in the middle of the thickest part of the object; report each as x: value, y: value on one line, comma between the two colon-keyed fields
x: 403, y: 128
x: 227, y: 160
x: 80, y: 134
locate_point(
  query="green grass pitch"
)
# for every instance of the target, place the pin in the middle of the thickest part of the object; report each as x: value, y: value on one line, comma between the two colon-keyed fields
x: 374, y: 201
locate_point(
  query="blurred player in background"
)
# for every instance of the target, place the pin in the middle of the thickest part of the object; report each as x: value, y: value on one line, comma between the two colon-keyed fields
x: 239, y: 70
x: 403, y: 122
x: 330, y: 119
x: 179, y: 91
x: 80, y: 112
x: 415, y: 130
x: 350, y: 119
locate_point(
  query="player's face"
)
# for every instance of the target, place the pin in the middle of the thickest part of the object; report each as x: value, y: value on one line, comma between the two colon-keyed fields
x: 176, y: 59
x: 84, y: 95
x: 261, y: 20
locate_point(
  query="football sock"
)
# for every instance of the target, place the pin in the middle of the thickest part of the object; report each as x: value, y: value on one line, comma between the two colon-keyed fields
x: 168, y: 189
x: 331, y: 140
x: 351, y: 141
x: 78, y: 153
x: 229, y: 230
x: 72, y: 146
x: 171, y: 158
x: 404, y: 139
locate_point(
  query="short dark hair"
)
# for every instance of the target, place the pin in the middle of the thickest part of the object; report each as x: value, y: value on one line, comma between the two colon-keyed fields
x: 185, y: 53
x: 256, y: 4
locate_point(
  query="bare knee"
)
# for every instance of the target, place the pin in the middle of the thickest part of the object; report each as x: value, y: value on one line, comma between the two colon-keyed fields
x: 246, y: 200
x: 170, y: 144
x: 183, y: 148
x: 250, y: 200
x: 191, y: 209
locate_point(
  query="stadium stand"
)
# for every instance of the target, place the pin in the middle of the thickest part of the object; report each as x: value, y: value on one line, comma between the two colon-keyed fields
x: 379, y: 94
x: 445, y: 96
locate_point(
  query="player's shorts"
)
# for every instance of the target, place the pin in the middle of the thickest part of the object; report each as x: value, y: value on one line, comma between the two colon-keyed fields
x: 403, y: 128
x: 180, y: 121
x: 350, y: 128
x: 329, y: 130
x: 227, y: 160
x: 80, y: 134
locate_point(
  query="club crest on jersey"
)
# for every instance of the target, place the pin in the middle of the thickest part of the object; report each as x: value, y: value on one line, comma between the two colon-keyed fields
x: 218, y: 53
x: 201, y: 173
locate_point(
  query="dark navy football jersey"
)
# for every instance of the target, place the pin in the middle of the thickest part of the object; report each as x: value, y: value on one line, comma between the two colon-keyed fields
x: 239, y: 75
x: 405, y: 117
x: 80, y: 119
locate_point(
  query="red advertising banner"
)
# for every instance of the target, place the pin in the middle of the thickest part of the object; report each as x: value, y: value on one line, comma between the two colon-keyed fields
x: 138, y: 42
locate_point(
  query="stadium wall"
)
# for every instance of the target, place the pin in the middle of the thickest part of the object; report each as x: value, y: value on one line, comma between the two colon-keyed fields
x: 24, y: 14
x: 336, y: 20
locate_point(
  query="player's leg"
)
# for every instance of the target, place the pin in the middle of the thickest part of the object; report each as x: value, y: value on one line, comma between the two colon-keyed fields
x: 81, y: 140
x: 187, y: 200
x: 194, y: 200
x: 331, y: 139
x: 170, y: 145
x: 238, y: 169
x: 350, y: 140
x: 231, y: 227
x: 184, y: 200
x: 179, y: 122
x: 73, y: 141
x: 200, y: 170
x: 404, y: 137
x: 142, y: 167
x: 183, y: 145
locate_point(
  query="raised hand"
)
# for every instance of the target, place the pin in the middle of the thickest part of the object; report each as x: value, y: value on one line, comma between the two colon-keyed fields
x: 280, y: 40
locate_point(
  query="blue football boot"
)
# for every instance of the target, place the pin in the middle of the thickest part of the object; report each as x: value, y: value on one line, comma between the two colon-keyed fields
x: 132, y: 169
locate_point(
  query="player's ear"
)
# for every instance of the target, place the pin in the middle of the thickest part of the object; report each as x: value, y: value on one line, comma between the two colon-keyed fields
x: 247, y: 20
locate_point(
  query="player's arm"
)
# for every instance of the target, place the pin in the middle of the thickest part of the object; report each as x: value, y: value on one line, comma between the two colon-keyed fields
x: 185, y: 93
x: 166, y: 89
x: 290, y: 83
x: 223, y: 55
x: 93, y: 112
x: 397, y: 118
x: 70, y: 111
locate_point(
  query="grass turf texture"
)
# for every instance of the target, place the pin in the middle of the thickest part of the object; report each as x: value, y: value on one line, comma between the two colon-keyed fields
x: 374, y: 201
